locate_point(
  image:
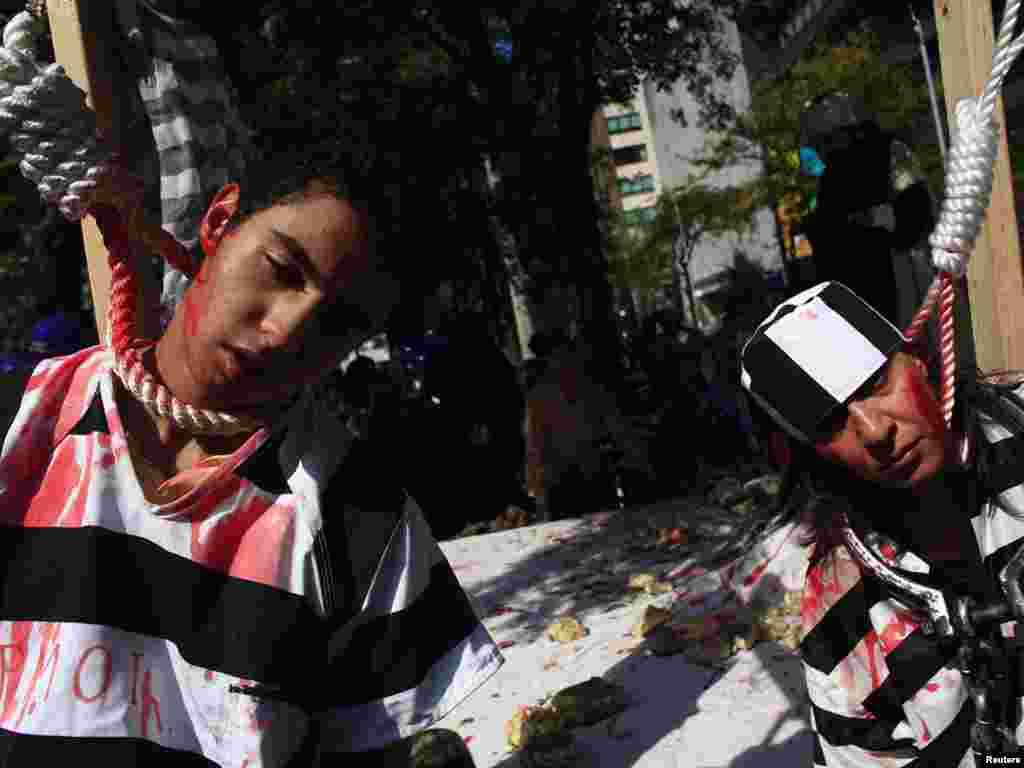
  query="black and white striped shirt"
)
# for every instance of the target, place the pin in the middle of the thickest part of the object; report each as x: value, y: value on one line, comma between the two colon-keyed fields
x: 882, y: 692
x: 128, y: 628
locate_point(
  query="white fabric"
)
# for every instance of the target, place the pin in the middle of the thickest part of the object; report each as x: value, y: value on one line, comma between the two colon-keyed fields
x: 812, y: 336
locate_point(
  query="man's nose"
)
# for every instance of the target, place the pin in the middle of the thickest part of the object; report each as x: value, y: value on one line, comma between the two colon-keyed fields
x: 876, y: 429
x: 286, y: 323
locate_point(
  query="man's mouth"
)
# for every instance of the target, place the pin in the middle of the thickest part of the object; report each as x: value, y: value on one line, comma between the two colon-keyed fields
x: 249, y: 360
x: 903, y: 455
x: 902, y: 466
x: 240, y: 361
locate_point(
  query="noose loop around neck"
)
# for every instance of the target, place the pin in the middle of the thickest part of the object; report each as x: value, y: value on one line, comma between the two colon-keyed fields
x: 47, y: 122
x: 970, y: 168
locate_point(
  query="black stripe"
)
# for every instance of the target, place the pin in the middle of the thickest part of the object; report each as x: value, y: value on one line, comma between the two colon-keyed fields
x: 870, y: 734
x: 842, y: 627
x: 19, y: 750
x: 1004, y: 464
x: 819, y: 753
x: 94, y: 420
x: 360, y: 513
x: 394, y: 653
x: 911, y: 664
x: 948, y: 748
x: 868, y: 322
x: 263, y: 468
x: 12, y: 389
x: 787, y: 387
x: 96, y: 576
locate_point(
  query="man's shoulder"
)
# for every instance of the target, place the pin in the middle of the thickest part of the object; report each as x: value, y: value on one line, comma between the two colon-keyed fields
x: 52, y: 380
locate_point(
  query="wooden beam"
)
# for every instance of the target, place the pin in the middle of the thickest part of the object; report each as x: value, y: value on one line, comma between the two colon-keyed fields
x: 83, y: 34
x: 996, y: 273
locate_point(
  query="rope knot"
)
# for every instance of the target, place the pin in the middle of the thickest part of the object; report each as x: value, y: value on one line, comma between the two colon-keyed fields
x: 969, y: 174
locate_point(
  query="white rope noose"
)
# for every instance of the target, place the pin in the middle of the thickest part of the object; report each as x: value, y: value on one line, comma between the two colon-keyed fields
x: 49, y: 124
x: 969, y: 177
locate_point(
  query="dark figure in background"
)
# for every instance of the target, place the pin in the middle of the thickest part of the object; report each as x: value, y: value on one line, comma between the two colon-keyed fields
x: 676, y: 391
x: 471, y: 468
x: 573, y: 430
x: 873, y: 208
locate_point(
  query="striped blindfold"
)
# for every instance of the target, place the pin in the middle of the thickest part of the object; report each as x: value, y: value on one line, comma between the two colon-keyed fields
x: 812, y: 353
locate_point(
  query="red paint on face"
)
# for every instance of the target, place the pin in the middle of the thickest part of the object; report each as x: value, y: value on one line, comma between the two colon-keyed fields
x: 270, y: 320
x: 196, y: 302
x: 925, y: 401
x: 894, y: 436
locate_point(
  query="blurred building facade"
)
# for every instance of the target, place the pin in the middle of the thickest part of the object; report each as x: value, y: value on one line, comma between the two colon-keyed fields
x: 653, y: 140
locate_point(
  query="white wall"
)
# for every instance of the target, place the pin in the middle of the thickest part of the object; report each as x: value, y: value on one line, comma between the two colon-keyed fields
x: 675, y: 145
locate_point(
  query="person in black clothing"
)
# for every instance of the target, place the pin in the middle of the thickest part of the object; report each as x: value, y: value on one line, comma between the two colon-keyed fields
x: 872, y: 205
x: 470, y: 467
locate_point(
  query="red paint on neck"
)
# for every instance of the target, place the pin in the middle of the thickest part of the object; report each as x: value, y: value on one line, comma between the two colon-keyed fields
x: 196, y: 303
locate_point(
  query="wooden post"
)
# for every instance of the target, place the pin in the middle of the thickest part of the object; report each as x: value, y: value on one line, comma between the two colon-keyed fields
x: 82, y: 33
x: 996, y: 273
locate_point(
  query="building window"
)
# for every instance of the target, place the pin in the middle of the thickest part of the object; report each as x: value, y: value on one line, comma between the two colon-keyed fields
x: 627, y: 122
x: 635, y: 153
x: 638, y: 216
x: 636, y: 185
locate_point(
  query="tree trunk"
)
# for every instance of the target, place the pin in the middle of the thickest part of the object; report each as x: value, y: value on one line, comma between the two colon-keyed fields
x: 577, y: 107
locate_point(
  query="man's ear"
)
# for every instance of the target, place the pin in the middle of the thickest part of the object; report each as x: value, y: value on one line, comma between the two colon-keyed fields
x: 218, y: 217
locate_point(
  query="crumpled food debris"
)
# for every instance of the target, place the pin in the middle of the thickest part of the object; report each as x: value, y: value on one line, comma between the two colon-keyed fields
x: 780, y: 623
x: 652, y: 617
x: 589, y: 702
x: 439, y: 748
x: 649, y: 583
x: 566, y: 629
x: 668, y: 536
x: 641, y: 580
x: 513, y: 517
x: 542, y: 734
x: 534, y: 726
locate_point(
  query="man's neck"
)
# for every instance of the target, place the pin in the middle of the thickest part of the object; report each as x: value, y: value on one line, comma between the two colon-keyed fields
x: 163, y: 443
